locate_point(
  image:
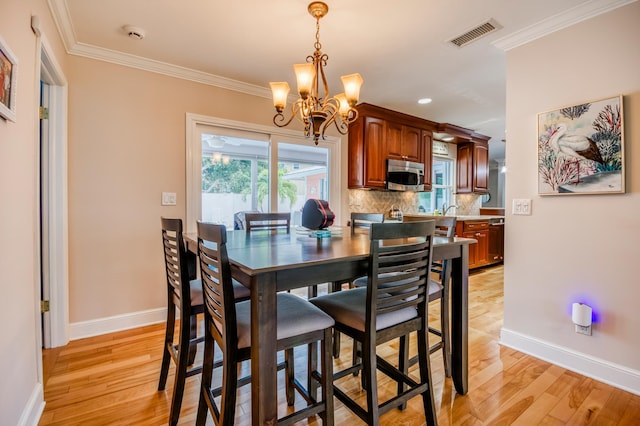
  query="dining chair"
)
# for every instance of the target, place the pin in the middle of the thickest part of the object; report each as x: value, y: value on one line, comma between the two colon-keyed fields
x: 439, y: 289
x: 184, y: 293
x: 363, y: 221
x: 268, y: 221
x: 228, y: 325
x: 391, y: 306
x: 360, y: 222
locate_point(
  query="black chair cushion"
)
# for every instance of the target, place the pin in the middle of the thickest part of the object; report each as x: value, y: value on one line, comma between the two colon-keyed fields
x: 296, y: 316
x: 348, y: 307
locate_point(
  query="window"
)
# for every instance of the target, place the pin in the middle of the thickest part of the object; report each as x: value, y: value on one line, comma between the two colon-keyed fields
x: 232, y: 167
x: 442, y: 187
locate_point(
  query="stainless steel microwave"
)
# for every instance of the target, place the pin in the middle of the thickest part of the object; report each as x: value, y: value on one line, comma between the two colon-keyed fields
x: 405, y: 175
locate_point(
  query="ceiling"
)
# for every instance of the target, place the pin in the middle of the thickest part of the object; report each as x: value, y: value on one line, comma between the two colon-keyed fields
x: 401, y: 49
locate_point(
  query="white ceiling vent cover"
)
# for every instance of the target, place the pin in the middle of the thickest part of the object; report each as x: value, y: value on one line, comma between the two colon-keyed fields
x: 475, y: 33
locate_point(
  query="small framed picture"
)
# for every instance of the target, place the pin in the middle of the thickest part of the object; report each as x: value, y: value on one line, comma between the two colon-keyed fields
x: 581, y: 149
x: 8, y: 76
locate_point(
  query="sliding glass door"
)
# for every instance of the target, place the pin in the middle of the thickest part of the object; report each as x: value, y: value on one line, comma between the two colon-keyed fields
x: 235, y: 169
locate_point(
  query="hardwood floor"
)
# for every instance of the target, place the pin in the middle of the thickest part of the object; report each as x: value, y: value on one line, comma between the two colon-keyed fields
x: 112, y: 379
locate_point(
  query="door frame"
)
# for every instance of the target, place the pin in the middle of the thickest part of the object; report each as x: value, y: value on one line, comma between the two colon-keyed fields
x: 55, y: 184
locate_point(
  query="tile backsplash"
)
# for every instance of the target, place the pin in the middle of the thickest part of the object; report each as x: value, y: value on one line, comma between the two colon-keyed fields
x: 370, y: 201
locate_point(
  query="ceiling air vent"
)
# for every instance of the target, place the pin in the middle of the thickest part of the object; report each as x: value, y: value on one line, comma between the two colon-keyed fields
x: 475, y: 33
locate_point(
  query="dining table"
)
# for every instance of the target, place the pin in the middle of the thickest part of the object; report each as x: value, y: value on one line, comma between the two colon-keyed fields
x: 269, y: 262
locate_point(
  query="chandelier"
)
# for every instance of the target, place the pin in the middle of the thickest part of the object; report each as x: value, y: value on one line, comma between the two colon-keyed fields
x: 316, y: 112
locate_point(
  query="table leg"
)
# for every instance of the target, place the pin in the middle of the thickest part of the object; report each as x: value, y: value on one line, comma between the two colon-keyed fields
x: 264, y: 384
x: 460, y: 320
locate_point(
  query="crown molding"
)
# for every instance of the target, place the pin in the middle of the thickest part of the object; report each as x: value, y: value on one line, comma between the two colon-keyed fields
x: 63, y: 21
x: 145, y: 64
x: 558, y: 22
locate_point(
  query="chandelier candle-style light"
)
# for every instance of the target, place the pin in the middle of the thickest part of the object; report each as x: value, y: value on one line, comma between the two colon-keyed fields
x: 315, y: 112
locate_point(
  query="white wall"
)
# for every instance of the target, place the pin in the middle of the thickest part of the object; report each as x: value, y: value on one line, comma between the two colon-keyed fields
x: 575, y: 248
x: 21, y: 399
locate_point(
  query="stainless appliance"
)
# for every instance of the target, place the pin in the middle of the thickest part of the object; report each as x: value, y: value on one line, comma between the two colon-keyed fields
x: 405, y: 175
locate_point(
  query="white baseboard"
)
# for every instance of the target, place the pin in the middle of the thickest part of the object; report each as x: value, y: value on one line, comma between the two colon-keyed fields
x: 598, y: 369
x: 34, y: 408
x: 80, y: 330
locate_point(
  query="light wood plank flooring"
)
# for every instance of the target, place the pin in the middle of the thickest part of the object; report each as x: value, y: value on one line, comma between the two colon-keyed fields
x: 112, y: 379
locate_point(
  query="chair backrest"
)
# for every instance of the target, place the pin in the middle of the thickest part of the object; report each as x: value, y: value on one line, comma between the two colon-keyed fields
x: 364, y: 220
x: 445, y: 225
x: 176, y: 265
x: 268, y: 221
x: 217, y: 287
x: 399, y: 263
x: 239, y: 219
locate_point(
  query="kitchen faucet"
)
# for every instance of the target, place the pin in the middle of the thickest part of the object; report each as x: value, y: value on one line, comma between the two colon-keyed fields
x: 446, y: 209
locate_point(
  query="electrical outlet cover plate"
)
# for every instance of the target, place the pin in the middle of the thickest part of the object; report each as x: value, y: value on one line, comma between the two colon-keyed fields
x: 168, y: 198
x: 521, y: 206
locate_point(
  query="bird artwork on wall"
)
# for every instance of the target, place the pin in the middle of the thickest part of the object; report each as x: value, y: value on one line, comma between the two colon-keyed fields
x: 580, y: 149
x: 574, y: 146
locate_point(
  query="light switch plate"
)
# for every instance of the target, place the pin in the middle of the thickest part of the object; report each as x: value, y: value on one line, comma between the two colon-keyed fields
x: 521, y: 206
x: 169, y: 198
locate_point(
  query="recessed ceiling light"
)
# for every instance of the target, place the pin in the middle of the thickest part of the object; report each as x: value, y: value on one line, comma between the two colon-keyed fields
x: 424, y: 101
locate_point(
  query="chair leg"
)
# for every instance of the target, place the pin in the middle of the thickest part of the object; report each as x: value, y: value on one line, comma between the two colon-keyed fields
x: 327, y: 379
x: 312, y: 365
x: 290, y: 376
x: 369, y: 376
x: 181, y: 375
x: 205, y: 383
x: 424, y: 363
x: 403, y: 365
x: 168, y: 341
x: 193, y: 333
x: 333, y: 287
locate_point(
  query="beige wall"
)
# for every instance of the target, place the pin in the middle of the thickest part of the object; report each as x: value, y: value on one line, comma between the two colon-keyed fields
x: 575, y: 248
x: 20, y: 392
x: 126, y: 146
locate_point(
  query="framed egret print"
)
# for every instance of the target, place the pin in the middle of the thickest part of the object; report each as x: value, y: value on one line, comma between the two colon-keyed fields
x: 581, y: 149
x: 8, y: 75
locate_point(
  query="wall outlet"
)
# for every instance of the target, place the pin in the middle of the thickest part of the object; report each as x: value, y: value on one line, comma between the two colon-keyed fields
x: 521, y: 206
x: 169, y: 198
x: 581, y: 329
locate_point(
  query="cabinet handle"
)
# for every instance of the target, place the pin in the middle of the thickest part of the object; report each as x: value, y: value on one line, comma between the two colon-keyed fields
x: 478, y: 234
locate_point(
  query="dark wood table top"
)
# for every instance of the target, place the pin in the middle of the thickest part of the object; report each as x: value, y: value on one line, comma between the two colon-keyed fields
x: 260, y: 252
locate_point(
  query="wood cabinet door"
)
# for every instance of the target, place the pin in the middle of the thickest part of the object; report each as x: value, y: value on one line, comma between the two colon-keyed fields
x: 411, y: 147
x: 496, y: 243
x: 427, y: 149
x: 480, y: 168
x: 375, y: 153
x: 394, y: 140
x: 473, y: 249
x: 482, y: 248
x: 404, y: 142
x: 465, y: 168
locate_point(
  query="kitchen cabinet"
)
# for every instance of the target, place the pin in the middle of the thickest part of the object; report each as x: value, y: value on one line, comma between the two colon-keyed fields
x: 489, y: 233
x: 473, y: 168
x: 379, y: 134
x: 496, y: 241
x: 478, y: 230
x: 472, y: 160
x: 404, y: 143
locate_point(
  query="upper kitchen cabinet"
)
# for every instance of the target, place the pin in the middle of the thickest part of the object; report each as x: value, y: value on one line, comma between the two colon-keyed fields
x: 404, y: 143
x: 472, y: 160
x: 473, y: 167
x: 379, y: 134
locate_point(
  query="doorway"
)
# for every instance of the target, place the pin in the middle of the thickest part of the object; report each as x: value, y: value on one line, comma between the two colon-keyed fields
x: 53, y: 199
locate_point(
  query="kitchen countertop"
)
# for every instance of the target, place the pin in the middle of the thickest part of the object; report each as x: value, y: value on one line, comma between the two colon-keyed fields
x: 462, y: 218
